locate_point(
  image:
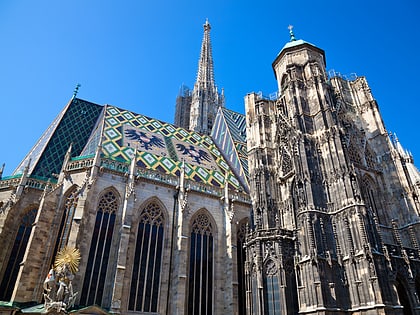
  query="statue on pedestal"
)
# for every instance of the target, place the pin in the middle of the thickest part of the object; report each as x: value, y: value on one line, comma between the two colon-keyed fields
x: 59, y: 296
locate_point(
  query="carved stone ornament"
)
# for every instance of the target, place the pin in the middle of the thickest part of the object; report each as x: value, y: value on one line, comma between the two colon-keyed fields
x: 59, y: 296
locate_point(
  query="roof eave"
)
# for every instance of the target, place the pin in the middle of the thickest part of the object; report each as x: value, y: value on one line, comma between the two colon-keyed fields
x: 286, y: 50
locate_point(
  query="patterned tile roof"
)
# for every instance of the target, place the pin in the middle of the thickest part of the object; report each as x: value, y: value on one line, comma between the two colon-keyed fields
x: 73, y: 125
x: 161, y: 146
x: 229, y: 134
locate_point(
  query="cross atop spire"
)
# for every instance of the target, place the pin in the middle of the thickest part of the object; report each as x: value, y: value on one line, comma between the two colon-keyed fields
x: 292, y: 35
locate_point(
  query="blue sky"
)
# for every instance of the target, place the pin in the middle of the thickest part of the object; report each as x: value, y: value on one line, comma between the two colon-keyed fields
x: 136, y: 54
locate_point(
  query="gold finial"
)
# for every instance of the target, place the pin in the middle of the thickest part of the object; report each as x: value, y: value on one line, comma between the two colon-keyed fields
x: 292, y: 35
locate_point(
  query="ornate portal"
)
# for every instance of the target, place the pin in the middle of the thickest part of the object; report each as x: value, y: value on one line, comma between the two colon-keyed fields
x: 59, y: 296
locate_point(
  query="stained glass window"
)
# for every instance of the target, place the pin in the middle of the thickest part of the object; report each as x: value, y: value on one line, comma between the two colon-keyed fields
x: 95, y: 274
x: 200, y: 289
x: 145, y: 279
x: 18, y: 250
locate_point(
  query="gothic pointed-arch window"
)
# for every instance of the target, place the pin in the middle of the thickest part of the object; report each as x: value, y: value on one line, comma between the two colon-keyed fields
x: 253, y: 286
x: 16, y: 256
x: 271, y: 288
x: 254, y: 289
x: 200, y: 289
x: 145, y: 279
x: 240, y: 260
x: 66, y: 221
x: 97, y: 265
x: 370, y: 195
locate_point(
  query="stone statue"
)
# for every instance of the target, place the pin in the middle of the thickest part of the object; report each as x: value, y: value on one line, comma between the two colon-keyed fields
x: 59, y: 296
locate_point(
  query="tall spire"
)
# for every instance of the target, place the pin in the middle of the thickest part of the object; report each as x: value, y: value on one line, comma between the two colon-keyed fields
x: 205, y: 98
x: 205, y: 74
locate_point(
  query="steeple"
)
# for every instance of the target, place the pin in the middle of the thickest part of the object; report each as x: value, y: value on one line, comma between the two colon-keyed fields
x: 205, y: 98
x: 205, y: 74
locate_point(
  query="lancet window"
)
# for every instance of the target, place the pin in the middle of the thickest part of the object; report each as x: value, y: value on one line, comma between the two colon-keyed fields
x: 97, y: 265
x: 66, y: 221
x: 200, y: 289
x: 370, y: 195
x: 241, y: 257
x: 271, y: 288
x: 145, y: 280
x: 16, y: 256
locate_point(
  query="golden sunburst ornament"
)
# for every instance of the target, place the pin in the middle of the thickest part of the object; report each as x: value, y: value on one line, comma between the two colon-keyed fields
x: 69, y: 256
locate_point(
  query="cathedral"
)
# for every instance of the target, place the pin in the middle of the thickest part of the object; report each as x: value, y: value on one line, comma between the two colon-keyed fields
x: 304, y: 205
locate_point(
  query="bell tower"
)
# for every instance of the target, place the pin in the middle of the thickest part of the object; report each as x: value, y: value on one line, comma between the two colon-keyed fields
x: 308, y: 249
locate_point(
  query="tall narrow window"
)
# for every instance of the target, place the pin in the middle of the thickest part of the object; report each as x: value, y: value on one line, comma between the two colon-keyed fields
x: 18, y: 250
x: 271, y: 289
x: 144, y: 291
x: 369, y: 192
x: 254, y: 290
x: 66, y: 221
x: 200, y: 289
x: 94, y: 283
x: 241, y: 266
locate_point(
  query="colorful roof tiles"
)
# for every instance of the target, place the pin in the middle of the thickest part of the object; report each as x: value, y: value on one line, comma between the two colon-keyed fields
x: 162, y: 147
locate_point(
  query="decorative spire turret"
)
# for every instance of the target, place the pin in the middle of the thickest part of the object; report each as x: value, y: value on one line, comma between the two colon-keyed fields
x: 205, y: 74
x: 205, y: 98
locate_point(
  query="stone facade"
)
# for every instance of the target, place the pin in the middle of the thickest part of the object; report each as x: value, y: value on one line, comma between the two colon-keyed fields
x: 179, y: 205
x: 165, y: 224
x: 336, y: 224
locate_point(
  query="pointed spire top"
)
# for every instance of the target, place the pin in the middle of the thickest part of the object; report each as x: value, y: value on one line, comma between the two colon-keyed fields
x: 205, y: 65
x: 76, y: 89
x: 207, y: 26
x: 292, y: 35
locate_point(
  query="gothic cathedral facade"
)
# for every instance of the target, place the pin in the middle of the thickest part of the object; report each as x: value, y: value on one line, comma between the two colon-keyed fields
x: 305, y: 204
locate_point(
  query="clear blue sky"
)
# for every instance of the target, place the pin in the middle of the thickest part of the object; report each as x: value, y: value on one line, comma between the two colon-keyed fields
x: 136, y: 54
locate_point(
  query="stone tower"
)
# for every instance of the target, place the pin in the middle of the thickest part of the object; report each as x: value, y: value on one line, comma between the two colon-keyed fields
x: 198, y: 110
x: 327, y: 189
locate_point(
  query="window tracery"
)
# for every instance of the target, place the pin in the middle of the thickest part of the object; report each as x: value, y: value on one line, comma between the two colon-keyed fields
x: 145, y: 279
x: 96, y: 270
x: 200, y: 289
